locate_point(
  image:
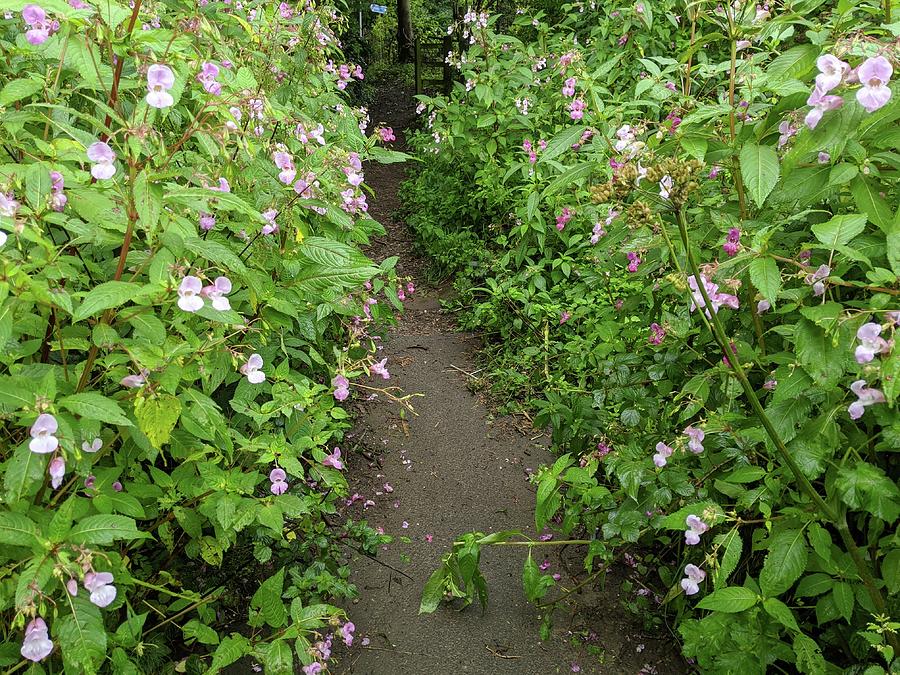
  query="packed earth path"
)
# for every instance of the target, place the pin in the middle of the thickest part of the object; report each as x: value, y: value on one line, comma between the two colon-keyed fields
x: 451, y: 468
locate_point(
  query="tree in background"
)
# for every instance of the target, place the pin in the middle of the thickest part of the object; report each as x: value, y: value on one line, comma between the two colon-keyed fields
x: 404, y: 32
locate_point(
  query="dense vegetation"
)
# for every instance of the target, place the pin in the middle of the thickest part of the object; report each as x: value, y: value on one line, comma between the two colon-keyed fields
x: 677, y: 226
x: 182, y: 307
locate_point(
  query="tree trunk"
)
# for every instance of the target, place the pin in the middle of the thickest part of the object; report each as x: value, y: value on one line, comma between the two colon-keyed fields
x: 405, y: 45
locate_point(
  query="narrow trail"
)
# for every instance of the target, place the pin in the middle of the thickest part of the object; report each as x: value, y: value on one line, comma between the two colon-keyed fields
x: 455, y: 468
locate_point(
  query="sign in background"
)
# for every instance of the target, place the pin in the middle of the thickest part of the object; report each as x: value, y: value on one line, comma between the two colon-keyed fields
x: 378, y: 9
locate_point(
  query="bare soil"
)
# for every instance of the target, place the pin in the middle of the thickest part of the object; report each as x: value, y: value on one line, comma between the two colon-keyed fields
x: 454, y: 468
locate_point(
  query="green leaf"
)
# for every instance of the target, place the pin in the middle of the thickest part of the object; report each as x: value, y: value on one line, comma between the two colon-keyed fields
x: 156, y: 417
x: 871, y: 203
x: 560, y: 143
x: 809, y: 657
x: 16, y: 90
x: 535, y: 584
x: 147, y: 202
x: 105, y: 296
x: 230, y: 649
x: 218, y: 254
x: 814, y: 584
x: 729, y: 600
x: 890, y: 570
x: 793, y: 64
x: 82, y: 636
x: 96, y: 407
x: 765, y: 275
x: 266, y: 605
x: 195, y: 630
x: 24, y: 474
x: 843, y: 599
x: 433, y: 591
x: 104, y: 529
x: 781, y: 613
x: 277, y: 657
x: 784, y: 562
x: 760, y: 169
x: 732, y: 546
x: 865, y: 486
x: 840, y: 230
x: 18, y: 530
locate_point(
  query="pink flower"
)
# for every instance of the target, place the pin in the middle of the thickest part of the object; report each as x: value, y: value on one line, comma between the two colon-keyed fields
x: 696, y: 436
x: 217, y: 292
x: 429, y: 538
x: 763, y: 306
x: 117, y: 486
x: 817, y: 278
x: 821, y: 103
x: 334, y: 459
x: 380, y: 368
x: 99, y: 584
x: 207, y: 221
x: 576, y: 109
x: 831, y: 72
x: 253, y: 369
x: 102, y: 157
x: 563, y: 218
x: 39, y: 28
x: 72, y: 587
x: 712, y: 290
x: 386, y: 134
x: 37, y: 645
x: 663, y: 452
x: 134, y: 381
x: 207, y: 77
x: 874, y: 74
x: 569, y: 87
x: 57, y: 471
x: 657, y: 333
x: 189, y: 298
x: 160, y: 79
x: 870, y: 343
x: 43, y: 438
x: 347, y: 633
x: 733, y: 242
x: 696, y: 527
x: 285, y: 162
x: 633, y: 262
x: 865, y: 396
x: 313, y: 668
x: 823, y: 158
x: 279, y: 485
x: 769, y: 385
x: 544, y: 566
x: 58, y: 199
x: 563, y: 317
x: 742, y: 44
x: 691, y: 582
x: 341, y: 387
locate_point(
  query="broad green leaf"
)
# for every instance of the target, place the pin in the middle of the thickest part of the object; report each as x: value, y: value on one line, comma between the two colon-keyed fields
x: 731, y: 546
x: 871, y: 203
x: 794, y: 63
x: 104, y: 529
x: 781, y: 613
x: 157, y: 416
x: 760, y: 170
x: 24, y: 474
x: 94, y: 406
x: 864, y: 486
x: 843, y: 599
x: 809, y: 656
x: 16, y: 90
x: 433, y: 591
x: 535, y: 584
x: 266, y: 605
x: 765, y: 275
x: 82, y: 636
x: 105, y: 296
x: 729, y: 600
x: 216, y: 253
x: 784, y: 562
x: 561, y: 143
x: 230, y: 649
x: 890, y: 570
x: 18, y: 530
x: 277, y: 657
x: 195, y: 630
x: 840, y: 230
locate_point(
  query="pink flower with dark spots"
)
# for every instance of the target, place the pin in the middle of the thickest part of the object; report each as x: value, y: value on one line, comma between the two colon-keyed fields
x: 334, y: 459
x: 217, y: 292
x: 103, y: 158
x: 278, y: 480
x: 253, y: 369
x: 874, y: 75
x: 160, y: 79
x: 189, y: 298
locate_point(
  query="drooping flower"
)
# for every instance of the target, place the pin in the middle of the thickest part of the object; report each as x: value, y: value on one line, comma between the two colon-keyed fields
x: 58, y: 199
x: 633, y: 261
x: 742, y: 44
x: 870, y: 342
x: 387, y: 136
x: 865, y: 398
x: 160, y: 79
x: 733, y: 242
x: 763, y: 306
x: 817, y: 279
x: 563, y: 317
x: 134, y: 381
x: 665, y: 186
x: 874, y: 75
x: 769, y: 385
x: 663, y: 452
x: 334, y: 459
x: 569, y: 87
x: 563, y: 218
x: 347, y: 633
x: 823, y: 158
x: 657, y: 334
x: 72, y: 587
x: 380, y: 368
x: 217, y: 292
x: 341, y: 387
x: 253, y: 369
x: 696, y: 527
x: 39, y: 28
x: 37, y: 645
x: 313, y: 668
x: 207, y: 221
x: 693, y: 577
x: 696, y: 436
x: 712, y: 290
x: 189, y: 298
x: 285, y: 162
x: 576, y: 109
x: 100, y: 586
x: 279, y: 485
x: 831, y: 72
x: 43, y: 434
x: 103, y: 158
x: 821, y: 103
x: 57, y: 471
x: 207, y: 77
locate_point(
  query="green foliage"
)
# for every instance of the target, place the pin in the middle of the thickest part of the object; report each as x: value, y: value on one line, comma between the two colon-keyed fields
x: 688, y: 151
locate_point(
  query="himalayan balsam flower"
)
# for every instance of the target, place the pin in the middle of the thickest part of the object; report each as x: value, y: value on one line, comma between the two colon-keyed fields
x: 189, y: 298
x: 696, y: 527
x: 569, y: 87
x: 92, y: 447
x: 817, y: 279
x: 821, y: 103
x: 732, y: 242
x: 380, y: 368
x: 576, y: 109
x: 870, y: 342
x: 285, y: 162
x: 663, y: 452
x: 207, y: 221
x: 37, y: 645
x: 874, y: 75
x: 563, y: 218
x: 334, y: 459
x: 39, y: 28
x: 563, y: 317
x: 99, y: 585
x: 633, y: 261
x: 58, y: 199
x: 207, y: 77
x: 347, y: 633
x: 43, y: 435
x: 341, y: 387
x: 693, y: 577
x: 763, y: 306
x: 134, y: 381
x: 865, y: 396
x: 657, y: 333
x: 72, y: 587
x: 217, y: 292
x: 769, y: 385
x: 696, y: 436
x: 712, y: 290
x: 159, y: 80
x: 831, y: 72
x: 824, y: 158
x: 102, y: 157
x: 253, y: 369
x: 387, y: 136
x: 665, y: 186
x: 57, y: 471
x: 279, y: 485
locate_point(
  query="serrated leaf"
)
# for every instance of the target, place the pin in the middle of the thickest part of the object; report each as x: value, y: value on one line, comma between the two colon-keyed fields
x: 17, y: 529
x: 16, y: 90
x: 794, y: 63
x: 760, y: 170
x: 729, y: 600
x: 105, y: 296
x: 732, y: 547
x: 230, y: 649
x: 157, y: 416
x: 809, y: 657
x: 871, y: 203
x: 82, y: 636
x: 96, y: 407
x: 840, y: 230
x: 781, y: 613
x: 104, y: 529
x: 843, y: 599
x: 765, y: 275
x: 267, y: 604
x: 560, y: 143
x: 784, y: 562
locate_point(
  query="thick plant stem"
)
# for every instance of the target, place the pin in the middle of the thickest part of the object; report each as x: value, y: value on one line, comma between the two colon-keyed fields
x: 806, y: 486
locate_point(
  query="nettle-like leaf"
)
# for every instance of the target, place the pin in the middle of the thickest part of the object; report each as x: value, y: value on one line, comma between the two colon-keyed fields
x: 785, y: 561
